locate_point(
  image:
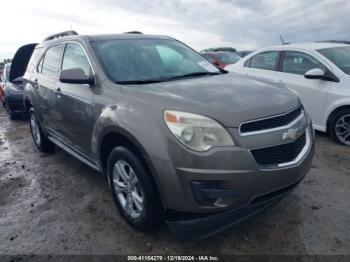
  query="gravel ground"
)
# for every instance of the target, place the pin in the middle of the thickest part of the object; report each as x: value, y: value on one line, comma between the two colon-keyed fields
x: 54, y: 204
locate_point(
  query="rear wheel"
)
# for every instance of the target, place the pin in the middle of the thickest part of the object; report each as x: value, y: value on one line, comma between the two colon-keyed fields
x: 133, y: 191
x: 340, y: 127
x: 40, y: 139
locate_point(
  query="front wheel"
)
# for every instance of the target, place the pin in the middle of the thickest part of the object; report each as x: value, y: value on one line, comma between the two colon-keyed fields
x: 133, y: 190
x: 340, y: 127
x: 40, y: 139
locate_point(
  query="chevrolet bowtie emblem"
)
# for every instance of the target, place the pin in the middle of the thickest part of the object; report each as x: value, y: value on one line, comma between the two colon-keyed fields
x: 290, y: 134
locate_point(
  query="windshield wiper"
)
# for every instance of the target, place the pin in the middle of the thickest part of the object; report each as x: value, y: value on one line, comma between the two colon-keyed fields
x: 139, y: 82
x: 164, y: 79
x: 193, y: 75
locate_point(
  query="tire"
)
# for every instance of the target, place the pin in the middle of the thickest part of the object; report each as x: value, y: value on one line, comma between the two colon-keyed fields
x: 39, y: 137
x: 339, y: 128
x: 142, y: 215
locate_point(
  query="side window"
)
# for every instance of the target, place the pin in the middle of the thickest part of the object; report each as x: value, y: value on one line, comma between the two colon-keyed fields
x: 33, y: 60
x: 52, y: 60
x: 299, y: 63
x: 247, y: 63
x: 266, y: 60
x: 75, y: 57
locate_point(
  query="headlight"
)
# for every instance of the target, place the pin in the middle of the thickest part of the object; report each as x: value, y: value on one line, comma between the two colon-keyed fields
x: 197, y: 132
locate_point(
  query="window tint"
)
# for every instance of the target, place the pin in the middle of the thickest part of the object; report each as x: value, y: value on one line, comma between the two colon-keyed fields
x: 52, y: 60
x: 299, y: 63
x: 75, y: 57
x: 266, y: 60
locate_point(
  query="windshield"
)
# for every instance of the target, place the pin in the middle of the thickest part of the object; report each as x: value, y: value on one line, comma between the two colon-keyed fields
x: 227, y: 58
x: 340, y: 56
x: 132, y: 60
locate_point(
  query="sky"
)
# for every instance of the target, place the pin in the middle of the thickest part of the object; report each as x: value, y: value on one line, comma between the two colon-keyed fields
x: 243, y: 24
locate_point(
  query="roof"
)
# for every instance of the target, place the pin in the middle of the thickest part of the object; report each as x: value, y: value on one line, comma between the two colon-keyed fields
x: 103, y: 37
x: 311, y: 45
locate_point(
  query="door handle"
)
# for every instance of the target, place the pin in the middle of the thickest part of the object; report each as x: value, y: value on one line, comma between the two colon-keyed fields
x: 58, y: 90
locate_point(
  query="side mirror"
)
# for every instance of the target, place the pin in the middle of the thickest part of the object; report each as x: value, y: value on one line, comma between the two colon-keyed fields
x: 315, y: 73
x: 76, y: 76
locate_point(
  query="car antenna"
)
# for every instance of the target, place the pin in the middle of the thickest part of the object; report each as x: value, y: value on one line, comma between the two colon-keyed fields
x: 283, y: 43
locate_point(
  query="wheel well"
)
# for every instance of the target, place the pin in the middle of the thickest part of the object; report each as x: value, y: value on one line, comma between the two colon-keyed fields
x: 112, y: 140
x: 334, y: 112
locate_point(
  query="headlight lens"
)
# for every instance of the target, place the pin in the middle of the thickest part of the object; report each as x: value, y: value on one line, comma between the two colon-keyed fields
x: 197, y: 132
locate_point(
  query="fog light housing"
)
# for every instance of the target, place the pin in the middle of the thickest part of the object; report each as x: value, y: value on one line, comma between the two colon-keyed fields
x: 210, y: 193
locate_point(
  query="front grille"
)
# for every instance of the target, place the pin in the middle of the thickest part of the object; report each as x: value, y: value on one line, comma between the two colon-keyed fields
x: 272, y: 156
x: 271, y: 122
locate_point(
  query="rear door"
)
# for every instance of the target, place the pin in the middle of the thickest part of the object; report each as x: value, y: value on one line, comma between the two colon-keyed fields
x: 75, y: 101
x: 46, y: 88
x: 313, y: 92
x: 262, y: 66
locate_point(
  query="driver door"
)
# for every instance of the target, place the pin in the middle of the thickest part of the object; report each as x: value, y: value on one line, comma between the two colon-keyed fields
x: 313, y: 92
x: 75, y: 101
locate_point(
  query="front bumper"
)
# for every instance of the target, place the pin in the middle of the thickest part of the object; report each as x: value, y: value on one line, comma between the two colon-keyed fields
x: 200, y: 228
x: 250, y: 187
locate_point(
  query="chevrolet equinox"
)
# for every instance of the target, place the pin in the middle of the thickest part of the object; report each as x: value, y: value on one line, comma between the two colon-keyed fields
x: 179, y: 140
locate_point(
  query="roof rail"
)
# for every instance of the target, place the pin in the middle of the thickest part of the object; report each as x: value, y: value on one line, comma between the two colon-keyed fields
x: 61, y: 34
x: 133, y: 32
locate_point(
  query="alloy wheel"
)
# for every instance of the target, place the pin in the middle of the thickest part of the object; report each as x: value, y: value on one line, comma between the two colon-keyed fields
x: 128, y: 189
x: 342, y: 129
x: 35, y: 129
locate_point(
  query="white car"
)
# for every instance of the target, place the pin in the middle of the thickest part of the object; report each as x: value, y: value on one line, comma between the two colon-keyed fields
x: 318, y: 72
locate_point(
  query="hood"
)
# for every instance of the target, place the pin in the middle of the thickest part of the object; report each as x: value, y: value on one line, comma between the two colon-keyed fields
x: 230, y: 98
x: 20, y: 61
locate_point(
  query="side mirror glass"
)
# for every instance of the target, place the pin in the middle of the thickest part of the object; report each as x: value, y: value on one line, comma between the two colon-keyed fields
x: 76, y: 76
x: 315, y: 73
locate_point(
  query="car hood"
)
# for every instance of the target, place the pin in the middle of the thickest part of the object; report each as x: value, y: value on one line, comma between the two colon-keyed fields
x: 229, y: 98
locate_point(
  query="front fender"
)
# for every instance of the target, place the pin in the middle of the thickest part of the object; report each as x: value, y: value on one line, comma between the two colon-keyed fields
x: 333, y: 106
x: 141, y: 124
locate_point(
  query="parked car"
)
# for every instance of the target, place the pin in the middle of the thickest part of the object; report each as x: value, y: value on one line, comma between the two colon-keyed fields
x: 13, y: 95
x: 1, y: 68
x: 2, y: 84
x: 243, y: 53
x: 317, y: 72
x: 221, y: 59
x: 178, y: 139
x: 218, y: 49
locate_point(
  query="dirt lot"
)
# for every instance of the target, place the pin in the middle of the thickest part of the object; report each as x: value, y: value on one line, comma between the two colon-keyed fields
x: 53, y: 204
